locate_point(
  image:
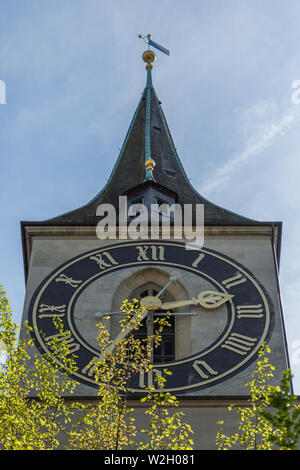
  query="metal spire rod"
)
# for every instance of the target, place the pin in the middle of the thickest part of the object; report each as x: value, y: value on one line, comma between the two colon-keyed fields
x: 149, y: 57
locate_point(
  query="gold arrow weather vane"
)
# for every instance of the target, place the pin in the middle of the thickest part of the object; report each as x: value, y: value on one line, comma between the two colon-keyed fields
x: 150, y: 42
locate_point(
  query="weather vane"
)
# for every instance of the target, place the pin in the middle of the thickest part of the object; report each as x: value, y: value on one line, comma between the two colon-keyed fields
x: 149, y: 41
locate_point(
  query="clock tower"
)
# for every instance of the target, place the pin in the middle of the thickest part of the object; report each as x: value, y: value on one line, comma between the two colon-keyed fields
x: 224, y: 295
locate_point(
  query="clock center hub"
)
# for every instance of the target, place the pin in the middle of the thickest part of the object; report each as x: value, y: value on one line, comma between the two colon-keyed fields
x: 151, y: 303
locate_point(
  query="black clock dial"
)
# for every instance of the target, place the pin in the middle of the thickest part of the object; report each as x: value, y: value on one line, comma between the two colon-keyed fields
x: 249, y: 310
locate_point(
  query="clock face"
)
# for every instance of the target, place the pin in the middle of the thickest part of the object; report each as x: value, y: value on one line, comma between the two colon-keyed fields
x: 241, y: 323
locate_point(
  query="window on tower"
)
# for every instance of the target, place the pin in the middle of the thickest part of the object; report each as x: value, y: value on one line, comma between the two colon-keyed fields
x: 165, y: 352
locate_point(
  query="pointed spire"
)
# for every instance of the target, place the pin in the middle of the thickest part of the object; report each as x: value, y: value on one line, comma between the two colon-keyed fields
x: 148, y: 57
x: 148, y: 144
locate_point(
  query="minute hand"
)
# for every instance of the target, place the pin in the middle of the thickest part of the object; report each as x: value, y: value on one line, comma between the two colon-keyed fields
x: 207, y: 299
x: 126, y: 330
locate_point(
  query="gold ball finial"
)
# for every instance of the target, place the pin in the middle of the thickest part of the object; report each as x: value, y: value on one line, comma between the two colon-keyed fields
x: 149, y: 57
x: 149, y: 164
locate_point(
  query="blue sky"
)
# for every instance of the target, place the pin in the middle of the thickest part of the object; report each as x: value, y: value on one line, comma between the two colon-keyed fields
x: 74, y: 75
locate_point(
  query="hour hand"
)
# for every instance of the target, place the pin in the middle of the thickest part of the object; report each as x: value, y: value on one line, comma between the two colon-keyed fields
x: 207, y: 299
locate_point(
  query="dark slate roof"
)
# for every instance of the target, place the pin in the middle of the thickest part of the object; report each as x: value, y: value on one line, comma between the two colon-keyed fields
x: 129, y: 170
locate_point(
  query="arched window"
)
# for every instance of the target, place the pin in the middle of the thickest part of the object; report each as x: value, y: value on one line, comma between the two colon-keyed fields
x: 165, y: 352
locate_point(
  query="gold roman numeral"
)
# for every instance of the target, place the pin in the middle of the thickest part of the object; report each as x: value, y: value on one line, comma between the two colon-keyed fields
x: 57, y: 340
x: 234, y: 281
x: 52, y: 310
x: 104, y: 260
x: 68, y: 280
x: 197, y: 260
x: 150, y: 253
x: 91, y: 368
x: 203, y: 369
x: 238, y: 343
x: 150, y: 377
x: 250, y: 311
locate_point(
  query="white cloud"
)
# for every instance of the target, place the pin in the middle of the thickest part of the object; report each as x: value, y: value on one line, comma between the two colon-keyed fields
x: 267, y: 131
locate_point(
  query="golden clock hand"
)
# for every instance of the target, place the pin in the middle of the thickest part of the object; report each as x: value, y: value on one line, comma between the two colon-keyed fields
x: 177, y: 304
x: 190, y: 314
x: 213, y: 299
x: 108, y: 314
x: 207, y: 299
x: 119, y: 312
x: 149, y: 303
x: 171, y: 279
x: 125, y: 331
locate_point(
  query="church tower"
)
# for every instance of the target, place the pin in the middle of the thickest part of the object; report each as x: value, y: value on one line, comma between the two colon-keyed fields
x: 224, y: 297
